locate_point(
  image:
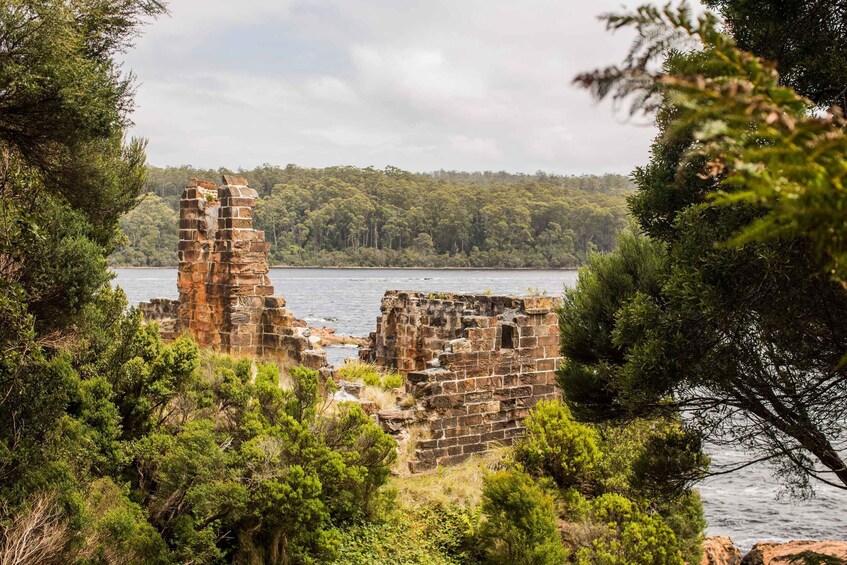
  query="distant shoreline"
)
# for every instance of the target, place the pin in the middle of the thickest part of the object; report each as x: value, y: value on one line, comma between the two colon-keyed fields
x: 393, y: 268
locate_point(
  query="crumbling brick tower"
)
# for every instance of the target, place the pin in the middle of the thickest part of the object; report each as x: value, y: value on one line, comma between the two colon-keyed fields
x: 225, y: 296
x: 223, y: 267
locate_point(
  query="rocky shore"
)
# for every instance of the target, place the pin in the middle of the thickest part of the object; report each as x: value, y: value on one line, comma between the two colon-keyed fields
x: 720, y: 550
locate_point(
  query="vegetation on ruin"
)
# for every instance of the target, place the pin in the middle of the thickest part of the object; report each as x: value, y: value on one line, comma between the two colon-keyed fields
x: 369, y: 374
x: 346, y: 216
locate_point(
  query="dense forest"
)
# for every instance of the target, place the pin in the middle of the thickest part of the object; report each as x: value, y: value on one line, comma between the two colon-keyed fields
x: 347, y: 216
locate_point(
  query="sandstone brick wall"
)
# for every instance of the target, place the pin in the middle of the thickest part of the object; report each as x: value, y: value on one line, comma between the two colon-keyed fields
x: 164, y: 312
x: 225, y: 296
x: 475, y: 365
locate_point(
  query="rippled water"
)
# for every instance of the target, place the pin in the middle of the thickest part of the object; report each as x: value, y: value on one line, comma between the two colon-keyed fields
x: 742, y: 505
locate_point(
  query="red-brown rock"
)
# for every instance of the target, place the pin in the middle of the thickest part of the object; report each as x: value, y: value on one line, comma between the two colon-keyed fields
x: 795, y: 552
x: 719, y: 550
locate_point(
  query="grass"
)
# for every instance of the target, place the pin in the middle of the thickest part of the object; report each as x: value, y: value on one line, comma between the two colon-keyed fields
x: 461, y: 484
x: 430, y: 519
x: 370, y: 374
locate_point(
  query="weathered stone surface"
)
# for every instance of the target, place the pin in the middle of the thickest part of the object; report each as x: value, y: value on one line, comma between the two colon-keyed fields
x: 811, y: 552
x: 473, y: 364
x: 225, y: 296
x: 719, y: 550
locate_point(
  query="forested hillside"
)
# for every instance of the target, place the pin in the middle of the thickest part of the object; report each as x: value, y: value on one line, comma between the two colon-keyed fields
x: 348, y: 216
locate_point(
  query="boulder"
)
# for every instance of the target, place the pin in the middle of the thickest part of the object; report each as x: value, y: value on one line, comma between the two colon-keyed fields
x: 351, y: 388
x: 719, y: 550
x: 794, y: 552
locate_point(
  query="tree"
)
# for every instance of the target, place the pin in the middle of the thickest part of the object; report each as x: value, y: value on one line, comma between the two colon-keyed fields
x: 66, y: 176
x: 152, y: 231
x: 805, y: 38
x: 742, y: 330
x: 350, y: 216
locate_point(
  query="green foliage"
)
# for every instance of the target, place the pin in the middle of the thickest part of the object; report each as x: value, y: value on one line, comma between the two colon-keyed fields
x: 370, y: 374
x: 648, y: 463
x: 116, y: 529
x: 520, y: 524
x: 803, y: 39
x: 557, y: 446
x: 587, y: 322
x: 741, y: 202
x: 626, y: 536
x: 367, y: 217
x: 434, y: 534
x: 392, y: 380
x: 220, y: 465
x: 152, y: 234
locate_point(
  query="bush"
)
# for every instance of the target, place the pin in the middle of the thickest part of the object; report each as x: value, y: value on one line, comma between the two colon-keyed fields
x: 436, y: 534
x: 358, y: 371
x: 647, y: 463
x: 651, y: 462
x: 370, y: 375
x: 558, y: 447
x: 392, y: 380
x: 628, y: 536
x: 520, y: 524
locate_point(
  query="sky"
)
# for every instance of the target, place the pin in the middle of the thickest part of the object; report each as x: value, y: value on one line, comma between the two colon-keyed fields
x: 468, y: 85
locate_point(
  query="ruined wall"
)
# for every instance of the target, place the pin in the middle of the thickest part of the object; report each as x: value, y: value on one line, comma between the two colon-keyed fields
x: 475, y: 365
x: 225, y: 296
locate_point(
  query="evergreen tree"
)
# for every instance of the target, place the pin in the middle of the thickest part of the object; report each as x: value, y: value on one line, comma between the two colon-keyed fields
x: 727, y: 310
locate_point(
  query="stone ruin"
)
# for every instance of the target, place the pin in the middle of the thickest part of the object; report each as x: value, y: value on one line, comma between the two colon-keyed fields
x: 226, y: 299
x: 473, y: 364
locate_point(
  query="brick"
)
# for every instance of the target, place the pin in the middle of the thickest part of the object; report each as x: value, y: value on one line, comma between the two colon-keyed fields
x: 474, y: 448
x: 479, y: 396
x: 454, y: 460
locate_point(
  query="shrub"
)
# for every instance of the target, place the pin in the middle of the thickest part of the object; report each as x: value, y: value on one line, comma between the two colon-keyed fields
x: 435, y: 534
x: 452, y: 529
x: 392, y: 380
x: 371, y: 379
x: 370, y: 375
x: 358, y: 371
x: 116, y: 530
x: 520, y: 524
x: 652, y: 462
x: 628, y: 536
x: 558, y: 447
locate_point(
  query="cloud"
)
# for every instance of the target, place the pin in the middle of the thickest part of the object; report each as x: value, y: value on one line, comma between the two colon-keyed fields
x: 474, y: 146
x: 478, y: 84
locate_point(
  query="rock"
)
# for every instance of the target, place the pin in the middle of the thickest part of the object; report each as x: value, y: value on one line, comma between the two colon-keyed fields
x: 719, y: 550
x: 393, y: 420
x: 354, y: 389
x: 327, y: 336
x: 795, y: 552
x: 369, y: 407
x: 458, y: 345
x: 343, y: 396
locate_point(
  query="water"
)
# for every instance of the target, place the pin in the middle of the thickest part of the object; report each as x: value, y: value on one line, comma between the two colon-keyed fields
x: 741, y: 505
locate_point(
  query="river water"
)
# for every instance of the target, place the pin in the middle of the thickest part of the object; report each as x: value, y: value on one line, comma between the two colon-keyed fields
x: 742, y: 505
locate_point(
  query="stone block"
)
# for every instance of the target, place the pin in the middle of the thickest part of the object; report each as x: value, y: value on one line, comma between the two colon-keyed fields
x: 473, y: 448
x: 421, y: 466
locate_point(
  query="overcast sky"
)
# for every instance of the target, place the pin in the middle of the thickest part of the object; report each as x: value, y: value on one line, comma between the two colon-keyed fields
x: 422, y: 85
